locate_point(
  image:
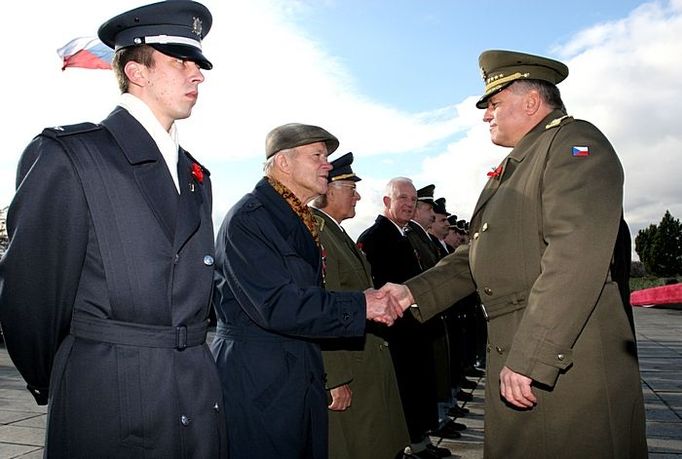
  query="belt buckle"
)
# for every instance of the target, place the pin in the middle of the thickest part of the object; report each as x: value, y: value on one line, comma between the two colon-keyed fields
x: 181, y: 337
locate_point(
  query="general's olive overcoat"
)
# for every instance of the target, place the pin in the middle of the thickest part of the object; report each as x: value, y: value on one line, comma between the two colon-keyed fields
x: 543, y: 238
x: 373, y: 427
x: 106, y: 288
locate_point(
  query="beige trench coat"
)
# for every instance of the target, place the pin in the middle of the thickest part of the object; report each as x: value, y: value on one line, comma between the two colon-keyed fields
x: 543, y: 235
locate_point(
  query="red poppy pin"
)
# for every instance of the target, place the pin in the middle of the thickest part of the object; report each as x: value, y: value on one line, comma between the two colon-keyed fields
x: 495, y: 173
x: 198, y: 172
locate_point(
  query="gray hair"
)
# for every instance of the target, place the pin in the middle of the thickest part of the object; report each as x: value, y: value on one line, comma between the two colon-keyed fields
x: 269, y: 163
x: 549, y: 92
x: 390, y: 186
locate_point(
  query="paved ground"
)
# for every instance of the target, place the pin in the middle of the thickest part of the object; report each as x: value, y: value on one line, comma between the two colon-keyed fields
x: 659, y: 331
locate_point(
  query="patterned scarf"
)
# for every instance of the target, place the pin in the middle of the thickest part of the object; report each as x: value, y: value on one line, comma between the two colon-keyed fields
x: 298, y: 207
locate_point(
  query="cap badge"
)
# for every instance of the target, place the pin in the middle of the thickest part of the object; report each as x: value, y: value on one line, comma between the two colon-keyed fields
x: 197, y: 27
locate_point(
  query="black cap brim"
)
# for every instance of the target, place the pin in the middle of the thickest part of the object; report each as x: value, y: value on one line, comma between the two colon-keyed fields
x: 184, y: 52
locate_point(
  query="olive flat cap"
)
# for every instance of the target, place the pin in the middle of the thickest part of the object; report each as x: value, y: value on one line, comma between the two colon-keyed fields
x: 295, y: 135
x: 426, y: 194
x: 500, y: 68
x: 341, y: 169
x: 172, y: 27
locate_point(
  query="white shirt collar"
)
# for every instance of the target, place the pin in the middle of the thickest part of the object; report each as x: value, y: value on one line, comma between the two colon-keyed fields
x: 167, y: 142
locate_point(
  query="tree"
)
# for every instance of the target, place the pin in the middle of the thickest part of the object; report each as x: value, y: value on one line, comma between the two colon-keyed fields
x: 660, y: 247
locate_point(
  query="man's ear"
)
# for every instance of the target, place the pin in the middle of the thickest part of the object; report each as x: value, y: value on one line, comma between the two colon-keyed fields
x: 532, y: 102
x: 387, y: 201
x: 136, y: 73
x: 283, y: 162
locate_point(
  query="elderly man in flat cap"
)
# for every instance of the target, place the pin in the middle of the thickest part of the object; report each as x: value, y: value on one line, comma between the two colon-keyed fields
x: 106, y: 286
x: 272, y: 307
x: 547, y: 234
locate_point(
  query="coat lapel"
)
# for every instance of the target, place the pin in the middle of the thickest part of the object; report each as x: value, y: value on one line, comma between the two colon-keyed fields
x: 510, y: 163
x: 149, y: 168
x: 188, y: 216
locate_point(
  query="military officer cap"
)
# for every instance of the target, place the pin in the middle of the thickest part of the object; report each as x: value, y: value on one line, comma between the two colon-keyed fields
x: 501, y: 68
x: 341, y: 169
x: 426, y: 194
x: 172, y: 27
x: 295, y: 135
x: 439, y: 206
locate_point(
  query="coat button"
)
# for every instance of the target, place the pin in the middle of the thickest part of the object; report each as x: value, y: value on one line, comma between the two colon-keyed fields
x: 216, y: 407
x: 561, y: 357
x: 346, y: 317
x: 488, y: 291
x: 484, y: 227
x: 177, y: 258
x: 208, y: 260
x: 499, y: 350
x: 184, y: 420
x: 476, y: 235
x: 488, y: 347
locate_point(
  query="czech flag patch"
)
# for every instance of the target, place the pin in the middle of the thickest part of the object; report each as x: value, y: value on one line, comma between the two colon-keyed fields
x: 581, y: 151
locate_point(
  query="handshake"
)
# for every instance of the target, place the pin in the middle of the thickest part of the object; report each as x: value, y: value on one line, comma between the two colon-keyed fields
x: 388, y: 303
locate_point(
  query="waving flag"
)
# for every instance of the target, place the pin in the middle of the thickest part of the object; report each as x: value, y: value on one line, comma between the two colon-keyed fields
x: 86, y: 52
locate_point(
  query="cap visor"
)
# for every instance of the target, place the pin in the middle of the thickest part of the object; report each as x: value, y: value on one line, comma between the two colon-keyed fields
x: 184, y: 52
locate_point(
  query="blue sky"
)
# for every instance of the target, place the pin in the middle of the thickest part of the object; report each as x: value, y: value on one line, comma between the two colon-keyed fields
x: 394, y: 80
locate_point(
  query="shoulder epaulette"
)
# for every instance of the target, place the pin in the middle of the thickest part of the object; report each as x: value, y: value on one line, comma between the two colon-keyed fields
x: 320, y: 222
x: 71, y: 129
x: 557, y: 121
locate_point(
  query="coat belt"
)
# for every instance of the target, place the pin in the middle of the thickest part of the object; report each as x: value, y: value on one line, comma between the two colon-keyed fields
x: 141, y: 335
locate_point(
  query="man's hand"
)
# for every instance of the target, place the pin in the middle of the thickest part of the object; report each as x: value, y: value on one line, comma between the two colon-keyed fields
x: 341, y: 398
x: 382, y: 307
x: 400, y: 293
x: 515, y: 389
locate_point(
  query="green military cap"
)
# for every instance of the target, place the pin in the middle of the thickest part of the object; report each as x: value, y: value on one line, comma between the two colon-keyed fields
x: 426, y: 194
x: 439, y: 206
x: 295, y: 135
x: 341, y: 169
x: 501, y: 68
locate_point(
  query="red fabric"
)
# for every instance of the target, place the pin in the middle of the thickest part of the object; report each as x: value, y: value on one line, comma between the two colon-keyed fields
x: 666, y: 294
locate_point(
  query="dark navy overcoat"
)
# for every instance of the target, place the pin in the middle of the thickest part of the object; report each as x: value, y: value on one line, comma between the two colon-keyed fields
x: 105, y: 291
x: 272, y: 313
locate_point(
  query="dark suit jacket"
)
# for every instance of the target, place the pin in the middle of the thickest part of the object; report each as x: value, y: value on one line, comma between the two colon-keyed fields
x: 271, y: 307
x: 393, y: 259
x: 111, y: 239
x: 427, y: 253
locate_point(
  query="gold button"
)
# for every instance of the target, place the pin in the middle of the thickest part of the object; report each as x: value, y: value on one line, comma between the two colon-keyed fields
x: 475, y: 235
x: 561, y: 356
x: 488, y: 291
x: 484, y: 227
x: 499, y: 349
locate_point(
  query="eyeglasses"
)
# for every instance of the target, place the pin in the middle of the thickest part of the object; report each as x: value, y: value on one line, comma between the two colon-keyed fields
x: 352, y: 187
